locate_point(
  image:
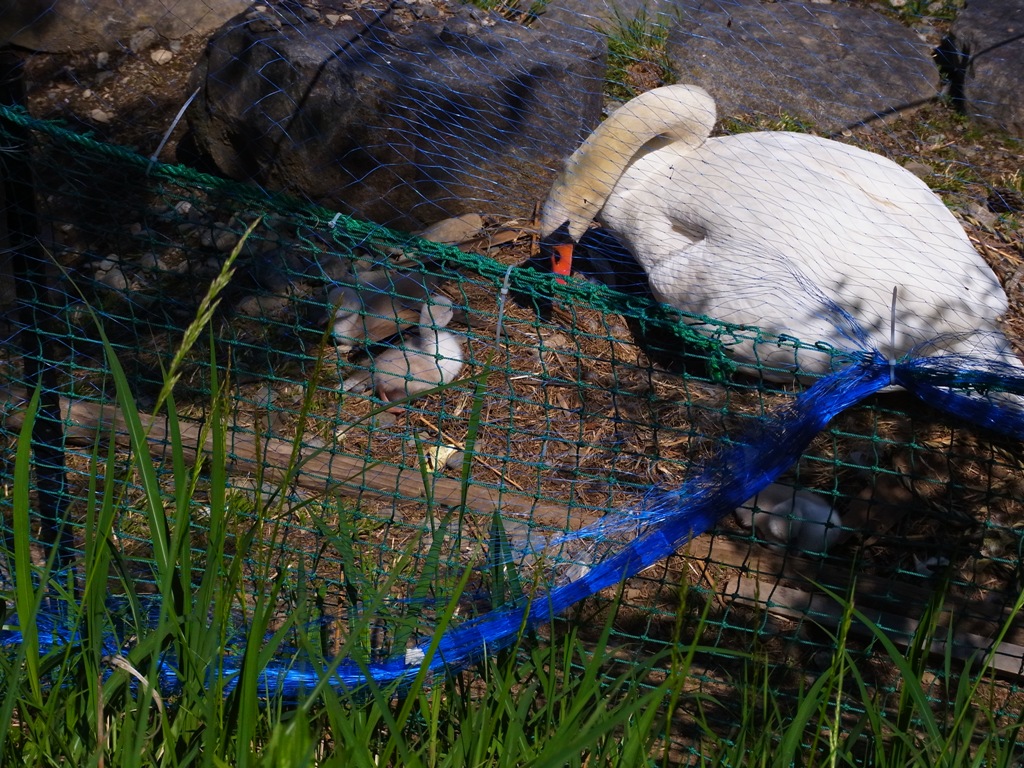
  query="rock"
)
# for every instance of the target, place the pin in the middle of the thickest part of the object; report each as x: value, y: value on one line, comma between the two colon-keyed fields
x: 455, y: 230
x: 161, y: 56
x: 255, y: 305
x: 983, y: 215
x: 923, y: 171
x: 59, y: 26
x: 383, y: 420
x: 395, y: 119
x: 225, y: 240
x: 113, y: 278
x: 833, y: 66
x: 143, y: 40
x: 984, y: 59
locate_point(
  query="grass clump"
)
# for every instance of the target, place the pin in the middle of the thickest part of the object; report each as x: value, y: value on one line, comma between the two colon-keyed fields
x: 910, y: 11
x: 525, y: 13
x: 637, y: 57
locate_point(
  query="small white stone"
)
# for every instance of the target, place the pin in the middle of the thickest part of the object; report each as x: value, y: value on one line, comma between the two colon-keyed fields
x: 115, y: 279
x: 225, y: 240
x: 100, y: 116
x: 161, y: 56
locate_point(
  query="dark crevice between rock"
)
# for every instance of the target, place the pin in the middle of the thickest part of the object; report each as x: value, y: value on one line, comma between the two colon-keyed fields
x: 953, y: 63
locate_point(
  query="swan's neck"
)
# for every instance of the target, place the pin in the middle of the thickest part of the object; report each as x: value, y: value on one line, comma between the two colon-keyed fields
x: 429, y: 339
x: 683, y: 113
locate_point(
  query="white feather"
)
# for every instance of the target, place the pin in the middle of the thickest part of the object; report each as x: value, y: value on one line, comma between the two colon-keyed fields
x: 432, y: 357
x: 792, y: 518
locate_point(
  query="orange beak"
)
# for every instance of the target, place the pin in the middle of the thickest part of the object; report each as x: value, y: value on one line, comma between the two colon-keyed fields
x: 561, y: 259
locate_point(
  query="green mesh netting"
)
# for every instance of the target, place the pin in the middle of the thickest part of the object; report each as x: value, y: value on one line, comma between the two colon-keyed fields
x: 552, y: 424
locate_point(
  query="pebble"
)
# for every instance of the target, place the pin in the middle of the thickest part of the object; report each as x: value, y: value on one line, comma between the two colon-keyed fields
x: 143, y: 39
x: 426, y: 12
x: 384, y: 419
x: 264, y: 397
x: 225, y: 240
x: 984, y: 216
x: 248, y: 487
x: 330, y: 266
x: 455, y: 230
x: 314, y: 441
x: 921, y: 170
x: 262, y: 306
x: 161, y: 56
x: 100, y: 116
x: 114, y: 279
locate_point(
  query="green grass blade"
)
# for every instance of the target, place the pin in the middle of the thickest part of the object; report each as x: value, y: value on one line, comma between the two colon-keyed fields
x: 27, y: 599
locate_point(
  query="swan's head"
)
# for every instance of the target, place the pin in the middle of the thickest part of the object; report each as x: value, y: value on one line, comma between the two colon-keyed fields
x: 684, y: 114
x: 598, y: 257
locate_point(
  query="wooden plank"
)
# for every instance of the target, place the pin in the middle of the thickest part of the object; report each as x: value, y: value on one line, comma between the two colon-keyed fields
x: 900, y: 628
x: 320, y: 470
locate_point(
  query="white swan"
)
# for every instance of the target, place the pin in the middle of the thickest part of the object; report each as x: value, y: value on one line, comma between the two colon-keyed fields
x: 370, y: 306
x: 431, y: 358
x: 791, y: 233
x: 786, y: 516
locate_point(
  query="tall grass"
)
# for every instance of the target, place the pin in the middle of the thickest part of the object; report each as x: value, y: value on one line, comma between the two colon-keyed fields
x: 86, y: 693
x: 117, y: 678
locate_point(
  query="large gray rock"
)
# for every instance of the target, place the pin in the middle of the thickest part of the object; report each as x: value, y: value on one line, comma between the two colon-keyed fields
x: 830, y: 65
x: 402, y: 117
x: 985, y: 55
x: 58, y: 26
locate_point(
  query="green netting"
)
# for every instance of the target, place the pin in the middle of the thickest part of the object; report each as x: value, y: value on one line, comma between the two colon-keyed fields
x: 574, y: 422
